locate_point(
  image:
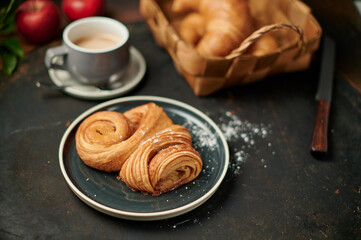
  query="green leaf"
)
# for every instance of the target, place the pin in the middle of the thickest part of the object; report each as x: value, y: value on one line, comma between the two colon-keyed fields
x: 9, y: 62
x: 7, y: 17
x: 7, y: 28
x: 13, y: 6
x: 10, y: 18
x: 2, y: 14
x: 10, y: 49
x: 13, y: 46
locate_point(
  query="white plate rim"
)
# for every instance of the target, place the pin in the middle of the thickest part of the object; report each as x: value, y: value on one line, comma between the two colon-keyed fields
x: 106, y: 94
x: 136, y: 215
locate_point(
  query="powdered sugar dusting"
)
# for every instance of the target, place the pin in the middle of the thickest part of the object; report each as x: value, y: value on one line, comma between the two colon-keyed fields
x: 251, y: 134
x: 244, y: 139
x: 234, y: 128
x: 243, y: 136
x: 201, y: 137
x: 206, y: 143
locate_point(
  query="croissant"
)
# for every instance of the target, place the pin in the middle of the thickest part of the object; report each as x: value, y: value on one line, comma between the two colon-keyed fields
x: 162, y: 163
x: 106, y: 139
x: 216, y: 27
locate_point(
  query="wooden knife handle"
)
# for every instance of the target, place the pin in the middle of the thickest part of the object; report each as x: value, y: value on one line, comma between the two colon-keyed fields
x: 319, y: 137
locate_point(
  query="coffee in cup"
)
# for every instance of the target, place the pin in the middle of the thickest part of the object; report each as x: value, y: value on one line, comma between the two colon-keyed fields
x: 95, y: 50
x: 98, y: 41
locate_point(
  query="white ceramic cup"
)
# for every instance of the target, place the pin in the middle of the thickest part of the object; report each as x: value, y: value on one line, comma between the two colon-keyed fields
x: 92, y: 66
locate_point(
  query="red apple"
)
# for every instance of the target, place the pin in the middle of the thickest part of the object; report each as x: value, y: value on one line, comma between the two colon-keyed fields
x: 76, y: 9
x: 38, y: 21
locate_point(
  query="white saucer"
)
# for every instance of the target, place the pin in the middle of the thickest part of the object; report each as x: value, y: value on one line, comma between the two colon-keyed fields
x: 128, y: 82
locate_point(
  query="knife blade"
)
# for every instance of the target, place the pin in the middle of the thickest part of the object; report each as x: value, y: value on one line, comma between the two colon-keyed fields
x: 319, y: 144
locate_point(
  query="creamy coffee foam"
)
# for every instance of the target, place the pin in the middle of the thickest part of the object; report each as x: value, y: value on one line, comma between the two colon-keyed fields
x: 98, y: 41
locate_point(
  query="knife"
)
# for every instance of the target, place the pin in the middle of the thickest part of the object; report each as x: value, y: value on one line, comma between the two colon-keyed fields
x: 319, y: 144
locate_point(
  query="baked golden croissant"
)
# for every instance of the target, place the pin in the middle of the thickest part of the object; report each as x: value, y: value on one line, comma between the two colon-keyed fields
x: 163, y: 162
x: 216, y: 27
x: 265, y: 44
x: 106, y: 139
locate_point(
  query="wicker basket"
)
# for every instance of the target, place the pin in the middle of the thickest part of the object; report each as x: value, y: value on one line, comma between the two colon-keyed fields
x: 207, y: 75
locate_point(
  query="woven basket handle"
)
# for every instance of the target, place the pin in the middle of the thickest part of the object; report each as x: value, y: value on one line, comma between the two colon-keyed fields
x: 260, y: 32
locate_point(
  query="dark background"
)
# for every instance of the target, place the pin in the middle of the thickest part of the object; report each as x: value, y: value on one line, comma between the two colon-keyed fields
x: 274, y: 189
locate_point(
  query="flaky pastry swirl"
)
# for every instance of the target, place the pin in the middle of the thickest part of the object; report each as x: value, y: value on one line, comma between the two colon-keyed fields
x: 106, y: 139
x: 163, y: 162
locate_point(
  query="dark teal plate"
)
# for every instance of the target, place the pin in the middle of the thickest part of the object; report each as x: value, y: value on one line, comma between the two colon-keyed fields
x: 105, y: 193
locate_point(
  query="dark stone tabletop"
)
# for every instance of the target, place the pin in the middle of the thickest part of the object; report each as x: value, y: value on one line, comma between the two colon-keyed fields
x: 274, y: 188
